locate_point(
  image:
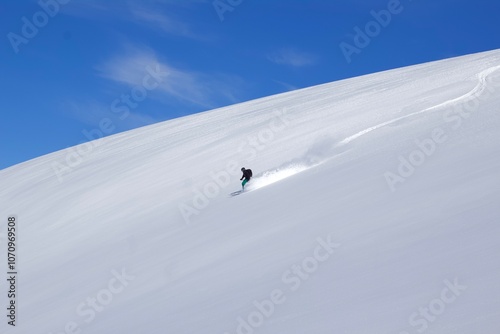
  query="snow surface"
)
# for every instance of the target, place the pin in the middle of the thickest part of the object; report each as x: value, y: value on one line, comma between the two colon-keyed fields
x: 327, y: 240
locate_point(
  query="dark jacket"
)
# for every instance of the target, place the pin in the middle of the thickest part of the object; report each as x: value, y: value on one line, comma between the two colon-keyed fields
x: 247, y: 174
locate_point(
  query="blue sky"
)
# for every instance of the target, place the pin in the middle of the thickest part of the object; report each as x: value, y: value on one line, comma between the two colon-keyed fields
x: 69, y: 64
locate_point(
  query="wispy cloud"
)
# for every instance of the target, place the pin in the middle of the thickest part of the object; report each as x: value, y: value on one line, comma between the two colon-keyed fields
x: 162, y: 22
x: 155, y: 15
x: 190, y: 87
x: 292, y: 57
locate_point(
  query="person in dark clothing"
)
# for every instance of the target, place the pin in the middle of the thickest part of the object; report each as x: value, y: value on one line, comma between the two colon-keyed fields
x: 247, y: 175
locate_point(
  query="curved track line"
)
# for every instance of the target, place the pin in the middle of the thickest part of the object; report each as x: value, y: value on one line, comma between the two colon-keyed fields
x: 478, y: 90
x: 474, y: 93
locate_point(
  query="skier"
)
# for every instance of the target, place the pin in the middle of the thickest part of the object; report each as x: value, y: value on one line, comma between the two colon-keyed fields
x: 247, y: 175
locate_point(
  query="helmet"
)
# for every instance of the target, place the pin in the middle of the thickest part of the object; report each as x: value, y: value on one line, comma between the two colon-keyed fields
x: 242, y: 169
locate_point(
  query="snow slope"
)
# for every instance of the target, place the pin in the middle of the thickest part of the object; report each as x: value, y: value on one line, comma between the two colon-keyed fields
x: 375, y: 210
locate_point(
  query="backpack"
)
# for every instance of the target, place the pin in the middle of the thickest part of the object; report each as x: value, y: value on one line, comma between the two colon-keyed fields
x: 250, y: 172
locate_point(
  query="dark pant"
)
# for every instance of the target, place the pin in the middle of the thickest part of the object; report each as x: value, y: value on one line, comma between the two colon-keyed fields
x: 244, y: 182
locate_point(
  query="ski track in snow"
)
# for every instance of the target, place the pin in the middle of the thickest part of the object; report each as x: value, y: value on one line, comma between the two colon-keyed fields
x: 474, y: 93
x: 278, y: 174
x: 291, y: 168
x: 269, y: 177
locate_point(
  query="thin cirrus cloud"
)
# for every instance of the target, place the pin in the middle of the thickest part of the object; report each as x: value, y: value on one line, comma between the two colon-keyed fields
x: 292, y: 57
x: 159, y: 21
x: 176, y: 85
x: 151, y: 15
